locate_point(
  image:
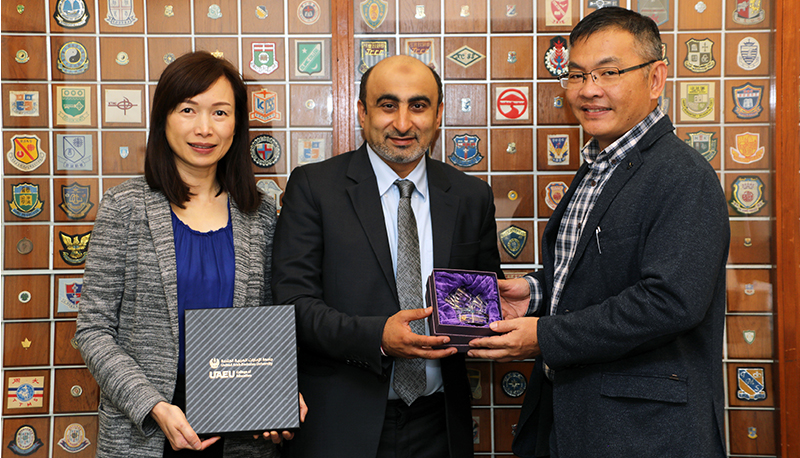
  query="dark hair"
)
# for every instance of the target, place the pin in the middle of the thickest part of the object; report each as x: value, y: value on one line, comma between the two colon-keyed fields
x: 643, y: 29
x: 190, y: 75
x: 362, y: 90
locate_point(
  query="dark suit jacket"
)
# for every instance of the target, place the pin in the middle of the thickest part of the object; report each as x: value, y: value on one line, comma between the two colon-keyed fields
x: 636, y: 344
x: 332, y: 260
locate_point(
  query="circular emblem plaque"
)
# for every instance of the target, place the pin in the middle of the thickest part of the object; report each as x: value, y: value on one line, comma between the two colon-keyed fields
x: 512, y: 195
x: 24, y: 297
x: 22, y: 56
x: 308, y: 12
x: 76, y: 391
x: 122, y: 58
x: 265, y: 150
x: 514, y: 384
x: 24, y: 246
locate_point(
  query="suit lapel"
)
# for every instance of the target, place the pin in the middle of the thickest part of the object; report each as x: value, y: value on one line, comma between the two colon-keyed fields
x: 624, y: 171
x: 620, y: 176
x: 241, y: 251
x: 444, y: 210
x: 367, y: 205
x: 159, y: 218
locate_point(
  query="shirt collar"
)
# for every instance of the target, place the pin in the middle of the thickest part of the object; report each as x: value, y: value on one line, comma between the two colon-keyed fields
x: 619, y: 148
x: 386, y: 176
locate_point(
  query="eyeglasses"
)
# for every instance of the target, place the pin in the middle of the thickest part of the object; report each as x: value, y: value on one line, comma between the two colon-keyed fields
x: 603, y: 76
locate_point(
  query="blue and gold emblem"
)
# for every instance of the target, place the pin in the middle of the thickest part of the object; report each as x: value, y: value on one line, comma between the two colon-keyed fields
x: 73, y: 58
x: 514, y: 384
x: 465, y: 150
x: 373, y: 12
x: 265, y: 107
x: 752, y: 432
x: 75, y: 247
x: 747, y: 195
x: 25, y: 441
x: 465, y: 56
x: 265, y: 150
x: 75, y: 200
x: 751, y: 384
x: 557, y: 149
x: 748, y: 101
x: 513, y: 240
x: 704, y: 143
x: 25, y: 202
x: 71, y: 13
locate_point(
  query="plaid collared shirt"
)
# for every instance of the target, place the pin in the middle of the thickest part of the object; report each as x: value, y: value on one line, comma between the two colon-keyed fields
x: 601, y: 166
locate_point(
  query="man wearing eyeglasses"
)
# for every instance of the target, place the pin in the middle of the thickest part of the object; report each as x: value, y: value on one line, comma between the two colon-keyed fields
x: 625, y: 319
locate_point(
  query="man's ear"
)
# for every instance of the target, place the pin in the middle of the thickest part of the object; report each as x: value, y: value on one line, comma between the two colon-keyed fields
x: 362, y: 112
x: 658, y: 79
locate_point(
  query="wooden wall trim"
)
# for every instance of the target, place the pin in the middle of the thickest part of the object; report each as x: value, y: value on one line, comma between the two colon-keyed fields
x: 342, y: 76
x: 787, y: 225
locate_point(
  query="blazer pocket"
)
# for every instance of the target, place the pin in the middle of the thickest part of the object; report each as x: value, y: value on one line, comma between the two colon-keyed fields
x: 671, y: 389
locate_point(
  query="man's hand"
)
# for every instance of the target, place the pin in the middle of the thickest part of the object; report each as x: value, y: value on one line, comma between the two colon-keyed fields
x: 398, y: 340
x: 515, y: 296
x: 518, y: 341
x: 173, y: 423
x: 277, y: 437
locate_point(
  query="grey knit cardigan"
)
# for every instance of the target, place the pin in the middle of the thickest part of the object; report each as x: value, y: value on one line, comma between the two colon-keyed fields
x: 128, y: 321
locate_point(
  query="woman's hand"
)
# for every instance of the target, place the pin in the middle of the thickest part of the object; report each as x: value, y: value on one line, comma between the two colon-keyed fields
x: 180, y: 434
x: 277, y: 437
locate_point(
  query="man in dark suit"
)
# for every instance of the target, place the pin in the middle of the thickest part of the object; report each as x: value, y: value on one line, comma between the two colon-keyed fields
x: 626, y: 317
x: 336, y: 257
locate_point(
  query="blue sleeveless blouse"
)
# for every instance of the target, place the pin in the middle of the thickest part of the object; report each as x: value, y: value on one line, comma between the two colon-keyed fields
x: 205, y: 267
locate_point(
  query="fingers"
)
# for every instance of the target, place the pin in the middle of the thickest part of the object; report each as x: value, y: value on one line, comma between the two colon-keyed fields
x: 208, y: 442
x: 173, y: 423
x: 303, y: 408
x: 414, y: 314
x: 516, y: 288
x: 518, y: 340
x: 399, y: 341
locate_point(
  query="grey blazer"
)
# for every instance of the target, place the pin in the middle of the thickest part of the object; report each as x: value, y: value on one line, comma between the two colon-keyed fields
x: 128, y: 320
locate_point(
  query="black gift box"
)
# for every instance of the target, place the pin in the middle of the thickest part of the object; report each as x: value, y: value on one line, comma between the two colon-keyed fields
x: 446, y: 321
x: 241, y: 370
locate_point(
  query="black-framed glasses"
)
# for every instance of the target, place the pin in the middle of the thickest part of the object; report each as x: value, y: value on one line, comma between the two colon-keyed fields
x: 603, y: 76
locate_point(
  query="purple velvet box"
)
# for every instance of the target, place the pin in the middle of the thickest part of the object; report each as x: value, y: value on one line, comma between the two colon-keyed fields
x: 464, y: 326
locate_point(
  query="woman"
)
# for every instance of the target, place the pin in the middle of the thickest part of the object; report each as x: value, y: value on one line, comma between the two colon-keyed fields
x: 195, y: 232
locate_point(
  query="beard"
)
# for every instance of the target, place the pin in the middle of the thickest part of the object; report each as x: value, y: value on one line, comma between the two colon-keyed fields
x: 398, y: 155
